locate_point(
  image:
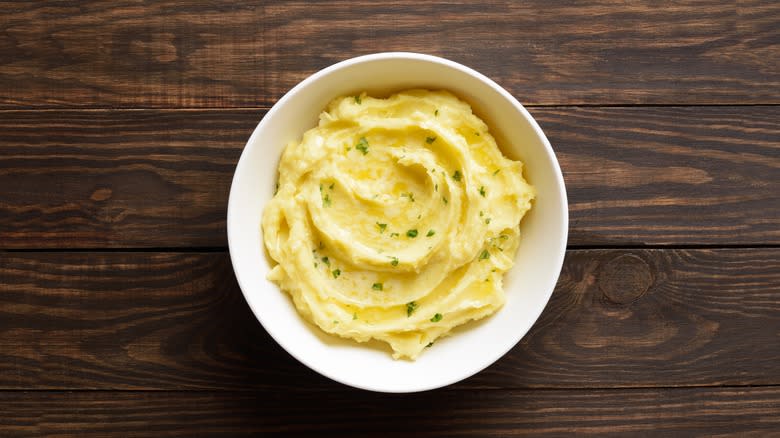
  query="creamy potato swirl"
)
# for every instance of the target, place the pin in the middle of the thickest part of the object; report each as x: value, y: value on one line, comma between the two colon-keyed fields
x: 395, y: 219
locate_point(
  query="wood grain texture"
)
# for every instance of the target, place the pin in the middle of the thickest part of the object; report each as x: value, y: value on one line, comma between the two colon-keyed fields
x: 152, y: 178
x: 227, y: 54
x: 651, y: 412
x: 669, y: 176
x: 117, y: 179
x: 174, y: 321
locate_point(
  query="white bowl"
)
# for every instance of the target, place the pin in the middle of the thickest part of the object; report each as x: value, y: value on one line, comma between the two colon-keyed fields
x: 528, y: 284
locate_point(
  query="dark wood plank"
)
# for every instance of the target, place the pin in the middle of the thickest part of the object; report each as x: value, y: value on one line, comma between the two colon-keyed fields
x: 618, y: 318
x: 105, y: 54
x: 669, y: 176
x: 151, y: 178
x: 650, y: 412
x: 174, y: 54
x: 118, y: 179
x: 550, y: 52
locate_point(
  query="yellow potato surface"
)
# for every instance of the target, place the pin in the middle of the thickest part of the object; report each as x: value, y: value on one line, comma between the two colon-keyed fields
x: 395, y: 219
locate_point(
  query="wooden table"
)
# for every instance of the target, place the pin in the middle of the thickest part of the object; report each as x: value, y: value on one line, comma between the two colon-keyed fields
x: 120, y: 126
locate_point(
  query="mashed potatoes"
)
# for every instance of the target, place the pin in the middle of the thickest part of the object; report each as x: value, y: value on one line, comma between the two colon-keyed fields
x: 394, y: 219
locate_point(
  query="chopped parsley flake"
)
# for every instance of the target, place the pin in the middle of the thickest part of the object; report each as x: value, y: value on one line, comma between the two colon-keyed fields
x: 358, y: 100
x: 457, y: 176
x: 411, y: 233
x: 362, y: 145
x: 476, y: 133
x: 482, y: 191
x: 277, y: 189
x: 326, y: 260
x: 436, y: 187
x: 354, y: 316
x: 503, y: 237
x: 331, y: 185
x: 430, y: 344
x: 377, y: 286
x: 496, y: 172
x: 394, y: 234
x: 430, y: 140
x: 487, y: 221
x: 436, y: 318
x: 336, y: 273
x: 326, y: 201
x: 409, y: 195
x: 321, y: 246
x: 481, y: 213
x: 430, y: 233
x: 411, y: 306
x: 444, y: 200
x: 436, y: 113
x: 394, y: 262
x: 485, y: 255
x: 382, y: 227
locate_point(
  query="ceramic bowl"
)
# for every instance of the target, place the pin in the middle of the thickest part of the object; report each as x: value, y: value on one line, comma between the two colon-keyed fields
x: 528, y: 284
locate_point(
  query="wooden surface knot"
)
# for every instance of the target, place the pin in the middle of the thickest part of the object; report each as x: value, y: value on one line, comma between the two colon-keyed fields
x: 101, y: 194
x: 625, y: 278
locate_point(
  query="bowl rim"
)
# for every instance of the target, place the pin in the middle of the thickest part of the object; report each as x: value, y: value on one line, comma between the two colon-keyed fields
x: 563, y: 199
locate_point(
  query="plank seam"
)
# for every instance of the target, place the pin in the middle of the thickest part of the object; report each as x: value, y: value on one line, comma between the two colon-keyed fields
x: 266, y: 108
x: 453, y: 389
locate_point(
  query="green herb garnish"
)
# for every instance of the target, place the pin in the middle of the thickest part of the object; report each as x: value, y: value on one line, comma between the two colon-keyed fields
x: 336, y: 273
x: 430, y: 140
x: 485, y: 255
x: 326, y: 260
x: 436, y: 113
x: 394, y: 234
x: 331, y: 185
x: 482, y: 191
x: 487, y: 221
x: 457, y: 176
x: 362, y: 145
x: 444, y: 200
x: 358, y: 100
x: 354, y: 316
x: 430, y: 344
x: 496, y: 172
x: 277, y: 189
x: 410, y: 308
x: 394, y: 262
x: 409, y: 195
x: 436, y: 318
x: 411, y: 233
x: 382, y: 227
x: 430, y: 233
x: 377, y: 286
